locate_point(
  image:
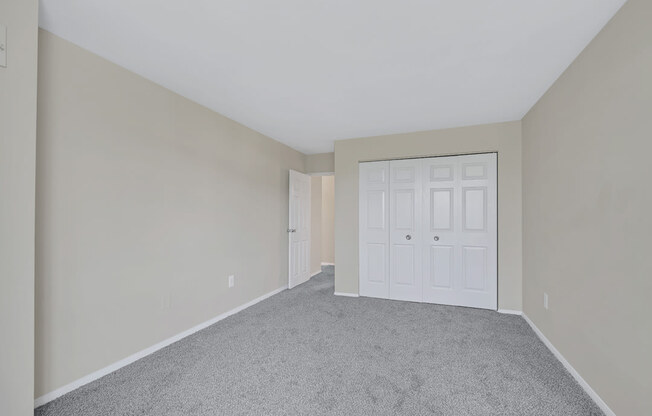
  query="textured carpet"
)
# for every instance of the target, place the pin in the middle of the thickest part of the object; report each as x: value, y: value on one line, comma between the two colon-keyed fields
x: 308, y: 352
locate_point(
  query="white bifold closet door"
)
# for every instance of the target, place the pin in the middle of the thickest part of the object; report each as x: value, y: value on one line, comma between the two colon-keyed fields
x: 428, y: 230
x: 460, y: 231
x: 374, y: 229
x: 405, y: 230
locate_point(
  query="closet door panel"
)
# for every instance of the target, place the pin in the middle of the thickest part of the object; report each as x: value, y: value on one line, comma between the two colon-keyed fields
x: 405, y: 230
x: 460, y: 231
x: 441, y: 223
x: 478, y: 238
x: 374, y: 229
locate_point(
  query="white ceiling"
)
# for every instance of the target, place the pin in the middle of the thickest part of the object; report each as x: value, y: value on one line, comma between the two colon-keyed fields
x: 308, y: 72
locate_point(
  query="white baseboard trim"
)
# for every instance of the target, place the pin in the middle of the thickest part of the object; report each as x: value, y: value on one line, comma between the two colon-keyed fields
x: 348, y: 295
x: 587, y: 388
x: 510, y: 312
x: 48, y: 397
x: 315, y: 274
x: 328, y: 264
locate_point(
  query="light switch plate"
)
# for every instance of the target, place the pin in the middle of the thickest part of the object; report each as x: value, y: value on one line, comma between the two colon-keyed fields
x: 3, y: 45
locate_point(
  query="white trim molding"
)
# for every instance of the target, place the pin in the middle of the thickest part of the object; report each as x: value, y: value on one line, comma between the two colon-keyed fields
x: 48, y: 397
x: 510, y: 312
x: 587, y: 388
x: 315, y: 274
x: 328, y: 264
x: 348, y: 295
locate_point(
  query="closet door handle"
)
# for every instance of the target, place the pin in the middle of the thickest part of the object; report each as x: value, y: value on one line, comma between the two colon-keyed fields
x: 408, y: 237
x: 436, y: 238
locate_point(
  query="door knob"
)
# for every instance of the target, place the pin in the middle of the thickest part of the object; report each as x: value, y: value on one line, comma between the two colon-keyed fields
x: 408, y: 237
x: 436, y: 238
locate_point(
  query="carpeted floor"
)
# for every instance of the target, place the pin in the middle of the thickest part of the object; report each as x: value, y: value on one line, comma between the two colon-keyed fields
x: 308, y: 352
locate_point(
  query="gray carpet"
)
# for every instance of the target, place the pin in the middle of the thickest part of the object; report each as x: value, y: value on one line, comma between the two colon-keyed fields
x: 308, y: 352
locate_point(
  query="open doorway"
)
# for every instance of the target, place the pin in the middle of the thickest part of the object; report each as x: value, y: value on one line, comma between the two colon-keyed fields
x: 322, y: 215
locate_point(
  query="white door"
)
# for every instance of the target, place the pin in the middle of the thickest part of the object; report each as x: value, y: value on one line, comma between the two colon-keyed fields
x: 460, y: 231
x: 299, y: 229
x: 374, y: 229
x: 405, y: 230
x: 431, y: 226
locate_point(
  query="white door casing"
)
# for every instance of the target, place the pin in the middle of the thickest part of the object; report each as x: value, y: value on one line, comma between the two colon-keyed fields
x: 374, y: 229
x: 448, y: 208
x: 299, y: 229
x: 405, y: 230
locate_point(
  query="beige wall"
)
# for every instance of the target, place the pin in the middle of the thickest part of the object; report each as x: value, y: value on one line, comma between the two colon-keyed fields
x: 17, y: 170
x: 505, y: 138
x: 328, y: 220
x: 315, y: 224
x: 146, y: 202
x: 320, y: 163
x: 587, y: 204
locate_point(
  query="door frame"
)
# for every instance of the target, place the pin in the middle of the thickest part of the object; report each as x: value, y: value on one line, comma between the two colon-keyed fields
x: 498, y: 229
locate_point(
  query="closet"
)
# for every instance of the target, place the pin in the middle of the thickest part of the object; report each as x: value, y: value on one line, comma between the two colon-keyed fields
x: 428, y: 230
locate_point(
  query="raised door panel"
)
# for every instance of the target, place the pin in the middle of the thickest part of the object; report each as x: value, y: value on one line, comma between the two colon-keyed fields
x: 441, y: 209
x: 404, y: 209
x: 305, y: 258
x: 440, y: 171
x: 376, y: 210
x: 403, y: 267
x: 374, y: 173
x: 441, y: 262
x: 295, y: 244
x: 474, y: 264
x: 376, y: 259
x: 294, y: 262
x: 474, y: 208
x: 403, y: 174
x: 474, y: 170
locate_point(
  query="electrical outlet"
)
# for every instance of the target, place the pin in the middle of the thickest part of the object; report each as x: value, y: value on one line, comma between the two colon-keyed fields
x: 231, y: 281
x: 545, y: 300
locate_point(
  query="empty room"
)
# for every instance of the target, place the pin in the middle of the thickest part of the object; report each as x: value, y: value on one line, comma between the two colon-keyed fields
x: 220, y: 207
